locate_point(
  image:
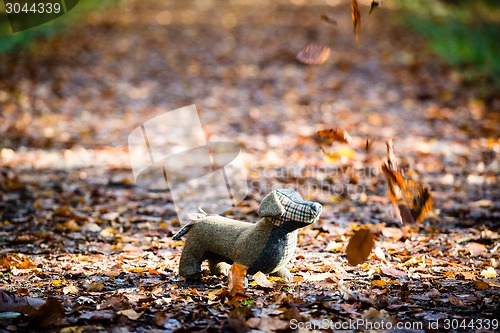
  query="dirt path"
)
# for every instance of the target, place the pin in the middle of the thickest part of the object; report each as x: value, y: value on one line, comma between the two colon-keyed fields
x: 75, y: 227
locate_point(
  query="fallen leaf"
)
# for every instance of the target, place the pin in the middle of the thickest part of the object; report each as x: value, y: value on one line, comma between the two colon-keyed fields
x: 49, y: 314
x: 455, y: 300
x: 262, y: 280
x: 98, y: 315
x: 476, y: 249
x: 236, y: 279
x: 359, y: 247
x: 70, y: 290
x: 396, y: 273
x: 236, y: 320
x: 394, y: 233
x: 378, y: 283
x: 268, y: 324
x: 131, y: 314
x: 10, y: 302
x: 478, y: 284
x: 379, y: 254
x: 489, y: 273
x: 94, y: 286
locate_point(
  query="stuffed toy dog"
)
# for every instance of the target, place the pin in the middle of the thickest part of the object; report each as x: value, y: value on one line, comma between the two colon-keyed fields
x: 265, y: 246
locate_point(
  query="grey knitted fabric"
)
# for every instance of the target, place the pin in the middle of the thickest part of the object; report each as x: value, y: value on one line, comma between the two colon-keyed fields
x: 266, y: 246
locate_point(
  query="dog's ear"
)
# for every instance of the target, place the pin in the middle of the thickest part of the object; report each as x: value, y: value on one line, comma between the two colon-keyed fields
x: 271, y: 206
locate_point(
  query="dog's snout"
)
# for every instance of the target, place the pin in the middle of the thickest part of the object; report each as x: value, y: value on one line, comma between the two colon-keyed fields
x: 316, y: 207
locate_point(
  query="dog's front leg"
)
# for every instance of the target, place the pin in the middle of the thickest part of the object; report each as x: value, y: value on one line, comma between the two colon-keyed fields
x: 191, y: 258
x: 283, y: 273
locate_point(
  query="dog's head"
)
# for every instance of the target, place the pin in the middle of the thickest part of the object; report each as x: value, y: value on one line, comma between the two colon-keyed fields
x: 288, y: 210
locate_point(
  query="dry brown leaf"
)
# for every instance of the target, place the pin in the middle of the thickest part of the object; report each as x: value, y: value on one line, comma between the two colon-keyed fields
x: 411, y: 200
x: 356, y: 18
x: 396, y: 273
x: 236, y: 279
x: 455, y: 300
x: 131, y: 314
x: 329, y: 136
x: 262, y: 280
x: 359, y: 247
x: 93, y: 286
x: 478, y: 284
x: 328, y: 19
x: 10, y: 302
x: 49, y: 314
x: 374, y: 5
x: 268, y: 324
x: 476, y: 249
x: 314, y: 54
x: 236, y: 320
x: 70, y: 290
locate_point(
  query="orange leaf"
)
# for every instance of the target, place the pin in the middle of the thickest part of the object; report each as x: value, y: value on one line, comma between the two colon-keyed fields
x: 356, y: 17
x: 236, y: 279
x: 329, y: 136
x: 412, y: 200
x: 359, y: 247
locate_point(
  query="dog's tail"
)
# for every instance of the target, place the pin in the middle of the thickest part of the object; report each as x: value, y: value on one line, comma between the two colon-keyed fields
x: 182, y: 232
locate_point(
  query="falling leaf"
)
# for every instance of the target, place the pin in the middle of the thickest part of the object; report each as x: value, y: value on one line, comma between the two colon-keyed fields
x: 329, y: 136
x: 368, y: 145
x: 356, y: 18
x: 374, y: 5
x: 411, y: 200
x: 328, y: 19
x: 359, y: 247
x: 236, y: 279
x: 262, y: 280
x: 313, y: 54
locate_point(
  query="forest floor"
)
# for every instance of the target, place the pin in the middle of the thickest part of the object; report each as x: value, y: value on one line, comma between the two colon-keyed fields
x: 75, y: 227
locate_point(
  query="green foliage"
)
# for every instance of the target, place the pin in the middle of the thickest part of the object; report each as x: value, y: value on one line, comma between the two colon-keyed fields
x: 464, y: 32
x: 10, y: 41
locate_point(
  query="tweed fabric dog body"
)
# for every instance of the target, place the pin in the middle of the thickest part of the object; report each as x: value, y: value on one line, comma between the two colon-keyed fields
x: 265, y: 246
